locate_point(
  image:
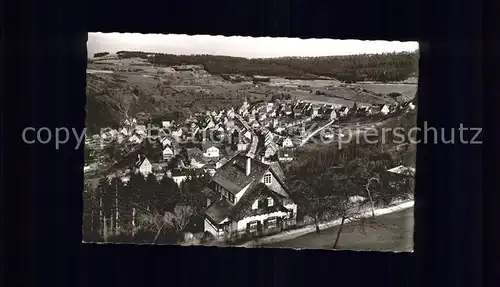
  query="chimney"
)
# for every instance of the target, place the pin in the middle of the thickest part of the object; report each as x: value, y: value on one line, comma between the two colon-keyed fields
x: 249, y: 166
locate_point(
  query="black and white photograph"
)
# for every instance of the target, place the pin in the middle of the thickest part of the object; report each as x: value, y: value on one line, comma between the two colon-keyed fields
x: 250, y: 142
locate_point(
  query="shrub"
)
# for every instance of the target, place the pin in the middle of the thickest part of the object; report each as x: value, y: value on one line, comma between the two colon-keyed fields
x: 207, y: 237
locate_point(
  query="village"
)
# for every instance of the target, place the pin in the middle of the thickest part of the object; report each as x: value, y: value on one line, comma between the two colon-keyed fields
x: 240, y: 152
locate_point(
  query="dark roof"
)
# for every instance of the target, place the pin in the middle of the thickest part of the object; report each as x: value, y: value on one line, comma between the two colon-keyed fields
x: 276, y: 167
x: 187, y: 172
x: 284, y: 151
x: 193, y: 152
x: 210, y: 160
x: 209, y: 193
x: 218, y: 211
x: 239, y: 211
x: 222, y: 160
x: 140, y: 160
x: 207, y: 145
x: 232, y: 175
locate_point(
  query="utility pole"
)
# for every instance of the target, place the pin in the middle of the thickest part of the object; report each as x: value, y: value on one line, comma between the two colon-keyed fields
x: 116, y: 205
x: 101, y: 218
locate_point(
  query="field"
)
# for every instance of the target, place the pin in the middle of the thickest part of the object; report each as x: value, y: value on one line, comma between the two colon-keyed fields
x: 407, y: 90
x: 395, y: 233
x: 135, y: 87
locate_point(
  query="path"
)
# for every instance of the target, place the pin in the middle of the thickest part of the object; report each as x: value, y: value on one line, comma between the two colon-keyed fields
x: 308, y: 137
x: 394, y: 233
x: 255, y: 140
x: 275, y: 240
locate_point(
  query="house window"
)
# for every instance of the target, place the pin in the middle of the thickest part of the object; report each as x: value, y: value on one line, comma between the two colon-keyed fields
x: 230, y: 197
x: 255, y: 205
x: 271, y: 223
x: 270, y: 201
x: 252, y: 226
x: 267, y: 178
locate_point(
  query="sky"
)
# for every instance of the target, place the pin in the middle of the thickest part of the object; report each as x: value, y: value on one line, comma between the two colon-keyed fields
x: 238, y: 46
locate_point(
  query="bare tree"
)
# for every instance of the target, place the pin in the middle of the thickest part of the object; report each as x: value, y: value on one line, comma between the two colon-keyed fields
x: 181, y: 217
x: 352, y: 209
x: 312, y: 186
x: 153, y: 221
x: 158, y: 222
x: 348, y: 191
x: 370, y: 194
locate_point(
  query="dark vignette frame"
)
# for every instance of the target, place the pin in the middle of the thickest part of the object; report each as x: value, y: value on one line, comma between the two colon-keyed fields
x: 48, y: 59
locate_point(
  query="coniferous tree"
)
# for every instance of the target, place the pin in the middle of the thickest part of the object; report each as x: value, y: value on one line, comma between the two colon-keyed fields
x: 125, y: 206
x: 168, y: 194
x: 150, y: 191
x: 138, y: 185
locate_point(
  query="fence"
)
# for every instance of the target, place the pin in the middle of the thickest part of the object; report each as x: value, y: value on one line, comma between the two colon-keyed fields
x: 243, y: 235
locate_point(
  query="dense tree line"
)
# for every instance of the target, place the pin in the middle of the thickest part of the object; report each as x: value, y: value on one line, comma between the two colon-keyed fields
x: 378, y: 67
x: 101, y: 54
x: 118, y: 211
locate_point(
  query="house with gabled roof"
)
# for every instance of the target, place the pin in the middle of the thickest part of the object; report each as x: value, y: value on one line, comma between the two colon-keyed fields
x: 273, y: 112
x: 400, y: 175
x: 286, y: 154
x: 246, y: 196
x: 385, y: 109
x: 143, y: 165
x: 166, y: 141
x: 268, y: 137
x: 287, y: 142
x: 181, y: 175
x: 230, y: 113
x: 329, y: 114
x: 250, y: 118
x: 168, y: 152
x: 287, y: 110
x: 209, y: 123
x: 135, y: 139
x: 271, y: 149
x: 297, y: 111
x: 141, y: 129
x: 262, y: 117
x: 210, y: 150
x: 343, y: 111
x: 124, y: 131
x: 243, y: 144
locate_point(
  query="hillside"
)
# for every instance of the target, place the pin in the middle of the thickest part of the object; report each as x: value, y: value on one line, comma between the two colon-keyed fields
x: 379, y: 67
x: 146, y: 86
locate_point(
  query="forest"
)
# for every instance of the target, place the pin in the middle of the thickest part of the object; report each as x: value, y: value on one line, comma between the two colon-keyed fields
x: 143, y: 210
x: 377, y: 67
